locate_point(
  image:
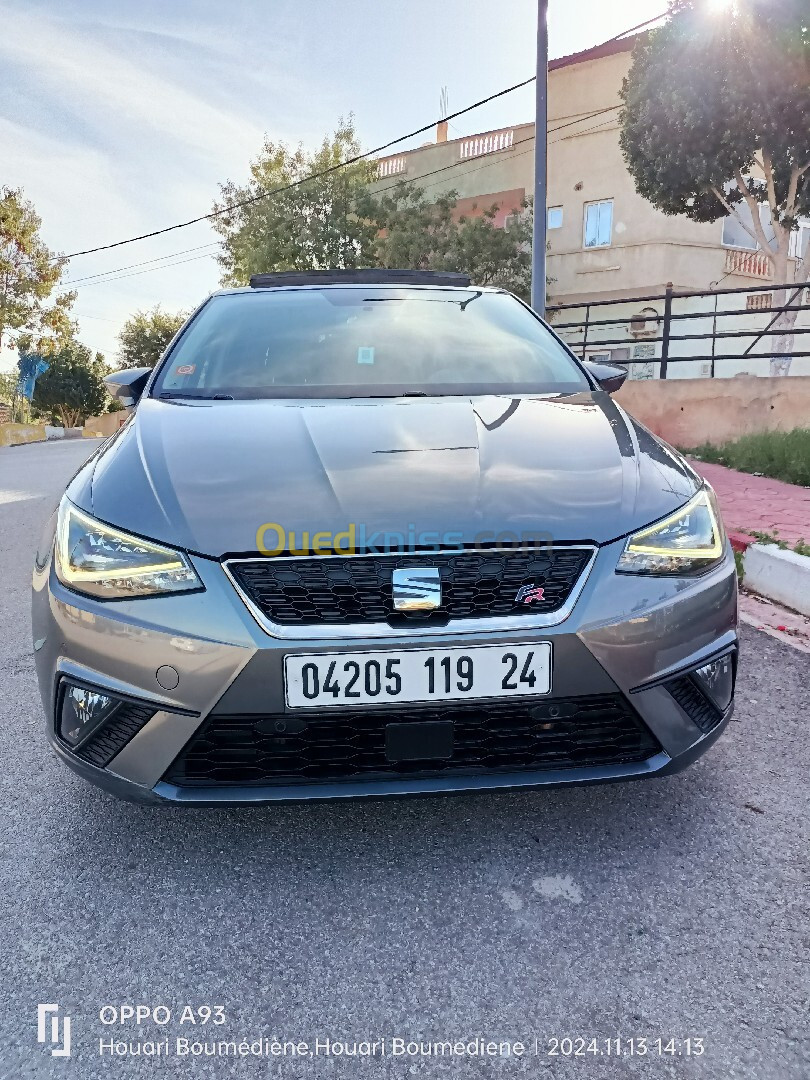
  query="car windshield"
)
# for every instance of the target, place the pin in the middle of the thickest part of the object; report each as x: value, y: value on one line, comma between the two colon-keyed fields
x: 365, y: 341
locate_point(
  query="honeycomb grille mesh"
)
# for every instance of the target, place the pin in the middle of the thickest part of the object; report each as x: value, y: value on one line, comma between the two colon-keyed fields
x: 351, y: 745
x: 694, y: 703
x: 124, y: 725
x: 358, y: 589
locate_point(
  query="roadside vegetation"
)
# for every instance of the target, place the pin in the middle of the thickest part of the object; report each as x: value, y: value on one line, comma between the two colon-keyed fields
x: 800, y: 547
x: 782, y: 455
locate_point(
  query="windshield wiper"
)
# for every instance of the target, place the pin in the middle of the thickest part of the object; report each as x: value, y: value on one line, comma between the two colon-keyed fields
x: 197, y: 397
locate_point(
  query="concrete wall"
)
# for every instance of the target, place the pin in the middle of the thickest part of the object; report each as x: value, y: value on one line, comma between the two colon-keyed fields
x: 688, y: 412
x: 107, y: 424
x: 16, y: 434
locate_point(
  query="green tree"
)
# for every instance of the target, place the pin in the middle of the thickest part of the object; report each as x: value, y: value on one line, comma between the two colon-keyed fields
x: 501, y: 257
x: 72, y: 388
x: 416, y: 234
x: 29, y: 272
x: 715, y: 123
x: 410, y: 232
x: 8, y: 386
x: 145, y: 335
x: 314, y: 225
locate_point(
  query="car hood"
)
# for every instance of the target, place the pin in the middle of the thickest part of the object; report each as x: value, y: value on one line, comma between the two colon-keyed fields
x: 206, y: 476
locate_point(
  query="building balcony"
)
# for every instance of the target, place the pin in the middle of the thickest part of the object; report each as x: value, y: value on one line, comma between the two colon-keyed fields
x: 748, y: 264
x: 391, y: 166
x: 489, y: 143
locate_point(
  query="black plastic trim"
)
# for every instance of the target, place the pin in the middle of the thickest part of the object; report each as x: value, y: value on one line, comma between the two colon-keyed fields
x: 108, y: 738
x: 366, y: 276
x: 662, y: 680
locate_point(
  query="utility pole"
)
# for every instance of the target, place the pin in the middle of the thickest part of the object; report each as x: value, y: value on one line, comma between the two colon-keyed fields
x: 540, y: 166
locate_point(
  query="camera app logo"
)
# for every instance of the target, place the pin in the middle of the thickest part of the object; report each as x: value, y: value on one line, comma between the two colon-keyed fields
x: 53, y: 1029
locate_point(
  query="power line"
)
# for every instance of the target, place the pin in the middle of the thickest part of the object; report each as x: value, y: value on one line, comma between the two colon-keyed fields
x: 587, y: 131
x: 640, y: 26
x: 146, y: 262
x: 149, y: 270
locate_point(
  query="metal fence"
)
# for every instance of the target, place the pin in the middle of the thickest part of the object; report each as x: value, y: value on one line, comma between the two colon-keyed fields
x: 726, y: 331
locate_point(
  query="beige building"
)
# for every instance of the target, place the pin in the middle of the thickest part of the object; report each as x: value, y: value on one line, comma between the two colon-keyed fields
x: 604, y: 240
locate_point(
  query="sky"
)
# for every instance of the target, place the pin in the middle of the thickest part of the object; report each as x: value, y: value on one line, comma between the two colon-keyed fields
x: 118, y: 118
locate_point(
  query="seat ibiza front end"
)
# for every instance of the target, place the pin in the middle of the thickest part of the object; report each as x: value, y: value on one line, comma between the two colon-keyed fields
x: 373, y: 533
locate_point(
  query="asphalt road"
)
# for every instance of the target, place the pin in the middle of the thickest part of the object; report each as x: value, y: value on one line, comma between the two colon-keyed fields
x: 670, y: 909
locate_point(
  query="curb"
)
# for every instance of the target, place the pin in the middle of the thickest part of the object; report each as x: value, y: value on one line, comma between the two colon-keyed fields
x: 774, y: 572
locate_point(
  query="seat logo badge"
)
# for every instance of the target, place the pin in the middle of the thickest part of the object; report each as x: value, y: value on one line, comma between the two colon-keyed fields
x: 417, y: 588
x: 527, y: 594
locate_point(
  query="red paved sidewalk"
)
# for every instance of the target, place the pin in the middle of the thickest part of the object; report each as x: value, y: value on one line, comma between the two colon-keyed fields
x: 757, y: 503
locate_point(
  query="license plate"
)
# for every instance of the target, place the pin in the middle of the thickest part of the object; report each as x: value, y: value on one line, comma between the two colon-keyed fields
x: 315, y: 680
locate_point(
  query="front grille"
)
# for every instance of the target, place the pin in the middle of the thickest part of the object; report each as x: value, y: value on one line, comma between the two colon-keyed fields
x: 113, y: 736
x: 694, y: 703
x: 289, y: 748
x: 358, y: 589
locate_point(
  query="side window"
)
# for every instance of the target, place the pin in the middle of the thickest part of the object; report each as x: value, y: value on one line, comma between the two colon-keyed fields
x: 598, y: 223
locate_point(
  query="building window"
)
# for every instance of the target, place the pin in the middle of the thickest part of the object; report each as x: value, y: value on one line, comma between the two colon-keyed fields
x: 734, y: 235
x: 513, y: 220
x: 598, y: 223
x: 555, y: 217
x: 800, y: 240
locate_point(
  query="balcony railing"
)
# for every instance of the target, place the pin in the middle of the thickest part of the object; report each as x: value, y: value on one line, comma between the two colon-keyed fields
x: 486, y: 144
x: 391, y: 166
x: 725, y: 326
x: 748, y: 264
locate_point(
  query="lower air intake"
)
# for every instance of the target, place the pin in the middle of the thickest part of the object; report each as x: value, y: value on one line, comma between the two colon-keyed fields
x: 694, y: 703
x: 351, y: 745
x: 124, y: 725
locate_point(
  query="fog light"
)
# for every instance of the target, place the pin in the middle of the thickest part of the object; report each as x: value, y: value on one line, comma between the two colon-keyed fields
x: 83, y: 712
x: 716, y: 680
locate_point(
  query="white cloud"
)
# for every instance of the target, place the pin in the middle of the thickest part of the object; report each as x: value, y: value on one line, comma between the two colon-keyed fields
x: 110, y: 87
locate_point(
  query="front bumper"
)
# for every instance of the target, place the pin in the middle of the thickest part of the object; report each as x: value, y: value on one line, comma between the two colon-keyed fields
x: 626, y: 636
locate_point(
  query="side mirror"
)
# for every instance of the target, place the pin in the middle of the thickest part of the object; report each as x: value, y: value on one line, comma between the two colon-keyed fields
x: 610, y: 378
x: 128, y: 385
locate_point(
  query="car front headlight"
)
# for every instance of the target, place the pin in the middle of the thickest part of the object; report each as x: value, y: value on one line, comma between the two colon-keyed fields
x: 105, y: 562
x: 687, y: 542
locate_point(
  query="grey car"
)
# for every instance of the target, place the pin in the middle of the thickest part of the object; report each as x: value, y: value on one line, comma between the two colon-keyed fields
x: 371, y: 533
